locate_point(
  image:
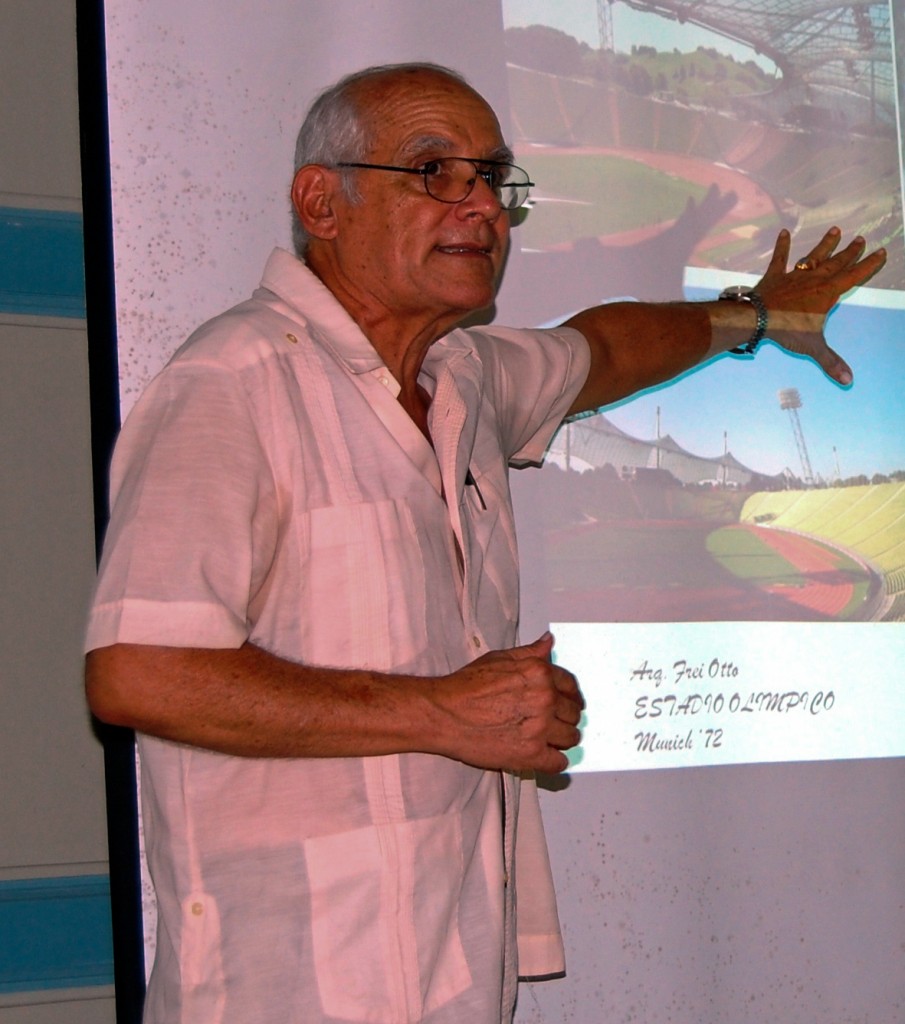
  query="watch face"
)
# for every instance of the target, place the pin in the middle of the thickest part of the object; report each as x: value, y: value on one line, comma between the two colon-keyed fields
x: 736, y: 291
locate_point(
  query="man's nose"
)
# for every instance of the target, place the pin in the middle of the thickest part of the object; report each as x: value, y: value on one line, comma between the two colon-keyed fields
x: 482, y: 199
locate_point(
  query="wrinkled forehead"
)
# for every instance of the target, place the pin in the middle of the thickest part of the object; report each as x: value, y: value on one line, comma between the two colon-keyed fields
x: 414, y: 112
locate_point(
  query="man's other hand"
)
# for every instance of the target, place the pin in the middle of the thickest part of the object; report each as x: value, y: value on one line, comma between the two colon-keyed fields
x: 512, y: 710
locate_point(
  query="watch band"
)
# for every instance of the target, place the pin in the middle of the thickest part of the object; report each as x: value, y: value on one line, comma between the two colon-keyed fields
x: 739, y: 294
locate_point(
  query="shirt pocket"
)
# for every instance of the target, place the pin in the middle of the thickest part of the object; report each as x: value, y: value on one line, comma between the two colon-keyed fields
x: 387, y: 950
x: 365, y: 586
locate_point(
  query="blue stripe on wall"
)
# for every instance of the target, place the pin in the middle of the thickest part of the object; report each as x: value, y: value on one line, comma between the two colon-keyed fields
x: 42, y: 263
x: 55, y: 933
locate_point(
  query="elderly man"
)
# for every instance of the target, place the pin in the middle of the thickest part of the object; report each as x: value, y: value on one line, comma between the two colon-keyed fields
x: 307, y: 606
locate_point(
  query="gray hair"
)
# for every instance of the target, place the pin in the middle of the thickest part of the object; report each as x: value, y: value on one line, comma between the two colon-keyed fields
x: 337, y: 130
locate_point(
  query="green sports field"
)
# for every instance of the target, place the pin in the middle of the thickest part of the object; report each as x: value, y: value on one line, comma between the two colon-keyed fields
x: 748, y: 557
x: 595, y: 195
x: 694, y: 571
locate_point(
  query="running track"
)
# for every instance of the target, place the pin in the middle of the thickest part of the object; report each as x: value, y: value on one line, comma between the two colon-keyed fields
x: 752, y: 202
x: 826, y: 591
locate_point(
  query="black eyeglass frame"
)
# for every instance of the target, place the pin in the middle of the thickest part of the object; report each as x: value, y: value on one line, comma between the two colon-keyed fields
x: 486, y: 175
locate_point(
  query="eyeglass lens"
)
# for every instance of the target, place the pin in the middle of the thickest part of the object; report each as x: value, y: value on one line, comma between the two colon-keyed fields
x: 451, y: 179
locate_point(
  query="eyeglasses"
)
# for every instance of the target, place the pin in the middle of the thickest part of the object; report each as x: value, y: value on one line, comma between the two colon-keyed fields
x: 450, y: 179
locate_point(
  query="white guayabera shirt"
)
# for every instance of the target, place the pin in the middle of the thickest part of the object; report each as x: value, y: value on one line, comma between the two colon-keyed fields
x: 268, y: 487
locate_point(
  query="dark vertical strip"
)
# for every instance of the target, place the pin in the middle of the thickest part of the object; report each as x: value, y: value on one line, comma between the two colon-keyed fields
x: 100, y: 294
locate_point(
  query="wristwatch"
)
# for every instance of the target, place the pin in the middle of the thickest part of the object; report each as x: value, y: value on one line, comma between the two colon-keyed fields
x: 741, y: 293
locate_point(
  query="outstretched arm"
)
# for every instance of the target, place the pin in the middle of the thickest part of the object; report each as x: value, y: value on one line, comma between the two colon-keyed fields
x: 636, y: 345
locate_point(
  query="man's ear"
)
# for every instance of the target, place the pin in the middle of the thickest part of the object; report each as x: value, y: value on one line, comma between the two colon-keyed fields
x: 314, y: 191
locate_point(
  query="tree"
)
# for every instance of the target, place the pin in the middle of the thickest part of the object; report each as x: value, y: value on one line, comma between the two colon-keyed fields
x: 544, y: 49
x: 639, y: 80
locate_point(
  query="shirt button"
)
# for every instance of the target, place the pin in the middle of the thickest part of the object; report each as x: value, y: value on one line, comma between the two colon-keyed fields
x: 197, y: 909
x: 476, y: 640
x: 292, y: 338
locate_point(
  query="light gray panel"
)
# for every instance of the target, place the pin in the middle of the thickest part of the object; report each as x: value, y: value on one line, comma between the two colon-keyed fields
x: 732, y: 895
x: 50, y: 763
x: 68, y: 1011
x: 38, y: 84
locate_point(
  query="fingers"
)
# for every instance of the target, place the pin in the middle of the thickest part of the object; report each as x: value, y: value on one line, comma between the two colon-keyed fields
x: 562, y: 679
x: 847, y: 267
x: 542, y: 647
x: 822, y: 250
x: 513, y: 709
x: 859, y: 271
x: 821, y: 259
x: 799, y: 300
x: 559, y: 708
x: 815, y: 285
x: 780, y: 258
x: 833, y: 365
x: 567, y: 685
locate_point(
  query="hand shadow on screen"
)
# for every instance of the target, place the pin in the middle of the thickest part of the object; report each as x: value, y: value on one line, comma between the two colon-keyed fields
x: 550, y: 285
x: 553, y: 783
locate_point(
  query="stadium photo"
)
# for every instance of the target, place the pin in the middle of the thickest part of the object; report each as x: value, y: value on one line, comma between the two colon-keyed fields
x: 645, y: 531
x: 661, y: 166
x: 785, y: 116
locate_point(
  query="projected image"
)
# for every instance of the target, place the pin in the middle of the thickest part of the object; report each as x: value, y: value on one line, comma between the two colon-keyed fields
x: 659, y: 144
x: 898, y: 37
x: 743, y: 492
x: 753, y: 490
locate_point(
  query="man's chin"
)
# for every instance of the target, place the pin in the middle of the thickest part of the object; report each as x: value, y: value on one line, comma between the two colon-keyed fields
x: 475, y: 307
x: 478, y: 317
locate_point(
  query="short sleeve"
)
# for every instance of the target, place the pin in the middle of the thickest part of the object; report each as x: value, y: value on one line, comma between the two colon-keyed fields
x: 534, y: 376
x: 193, y: 516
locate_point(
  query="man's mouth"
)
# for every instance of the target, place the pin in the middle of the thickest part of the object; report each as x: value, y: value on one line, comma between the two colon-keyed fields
x: 464, y: 250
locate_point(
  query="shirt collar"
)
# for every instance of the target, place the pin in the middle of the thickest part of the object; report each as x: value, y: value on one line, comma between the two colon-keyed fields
x: 314, y: 305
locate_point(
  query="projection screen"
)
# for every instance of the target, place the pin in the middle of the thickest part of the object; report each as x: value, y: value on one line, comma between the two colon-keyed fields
x: 722, y: 560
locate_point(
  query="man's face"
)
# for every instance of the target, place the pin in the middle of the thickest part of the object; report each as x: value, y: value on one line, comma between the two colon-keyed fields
x: 400, y: 258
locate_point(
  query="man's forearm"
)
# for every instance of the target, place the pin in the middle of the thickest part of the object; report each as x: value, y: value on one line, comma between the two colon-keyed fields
x: 508, y: 709
x: 635, y: 345
x: 250, y: 703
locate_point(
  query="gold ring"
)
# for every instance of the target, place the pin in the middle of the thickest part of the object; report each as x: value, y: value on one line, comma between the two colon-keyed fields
x: 803, y: 265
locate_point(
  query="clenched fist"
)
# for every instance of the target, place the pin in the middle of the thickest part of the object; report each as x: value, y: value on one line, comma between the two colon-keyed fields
x: 511, y: 709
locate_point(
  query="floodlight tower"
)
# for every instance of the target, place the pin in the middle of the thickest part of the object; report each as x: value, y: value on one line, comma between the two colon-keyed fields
x: 790, y: 399
x: 605, y: 25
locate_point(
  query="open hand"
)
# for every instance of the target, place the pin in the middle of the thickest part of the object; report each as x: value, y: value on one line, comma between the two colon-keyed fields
x: 799, y: 300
